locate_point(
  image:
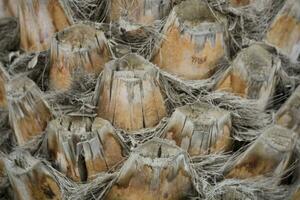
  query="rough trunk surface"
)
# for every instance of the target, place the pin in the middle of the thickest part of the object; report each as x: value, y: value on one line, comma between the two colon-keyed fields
x: 289, y: 114
x: 195, y: 41
x: 270, y: 154
x: 8, y: 8
x: 29, y: 113
x: 81, y: 149
x: 200, y: 129
x: 4, y: 77
x: 252, y: 75
x: 30, y: 178
x: 129, y: 94
x: 284, y: 32
x: 139, y: 11
x: 75, y: 52
x: 155, y: 170
x: 39, y: 20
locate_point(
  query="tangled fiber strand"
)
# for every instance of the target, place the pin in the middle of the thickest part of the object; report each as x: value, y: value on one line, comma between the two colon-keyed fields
x: 94, y: 10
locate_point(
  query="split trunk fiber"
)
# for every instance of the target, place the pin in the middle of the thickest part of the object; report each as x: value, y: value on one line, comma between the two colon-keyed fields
x: 8, y: 8
x: 4, y: 77
x: 200, y: 129
x: 195, y: 41
x: 289, y: 114
x: 143, y: 12
x: 30, y: 178
x: 75, y: 52
x: 270, y: 154
x: 39, y: 20
x: 284, y: 32
x: 129, y: 94
x: 252, y: 75
x: 255, y: 5
x: 29, y: 113
x: 81, y: 149
x: 154, y: 171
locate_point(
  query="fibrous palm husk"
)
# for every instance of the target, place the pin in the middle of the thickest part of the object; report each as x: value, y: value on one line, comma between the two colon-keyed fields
x: 76, y: 51
x: 195, y: 41
x: 81, y: 149
x: 30, y: 178
x: 284, y: 32
x: 272, y: 154
x: 8, y: 8
x: 39, y: 20
x: 144, y: 12
x: 29, y: 113
x: 289, y: 114
x: 253, y: 74
x: 129, y: 95
x: 200, y: 129
x: 155, y: 170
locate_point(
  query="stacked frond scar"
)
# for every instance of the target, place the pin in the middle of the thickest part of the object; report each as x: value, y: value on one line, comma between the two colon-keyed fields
x: 81, y: 149
x: 129, y: 94
x: 195, y: 41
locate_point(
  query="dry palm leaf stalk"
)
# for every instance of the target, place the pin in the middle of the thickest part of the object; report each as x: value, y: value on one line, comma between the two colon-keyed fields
x: 200, y: 129
x: 155, y: 170
x: 39, y: 20
x: 8, y: 8
x: 30, y: 178
x: 29, y: 113
x: 195, y: 40
x: 144, y: 12
x: 81, y: 149
x: 129, y: 95
x: 4, y: 78
x: 76, y: 51
x: 289, y: 114
x: 284, y: 32
x: 270, y: 155
x: 253, y: 74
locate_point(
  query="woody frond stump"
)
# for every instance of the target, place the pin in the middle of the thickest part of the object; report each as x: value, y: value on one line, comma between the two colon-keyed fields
x: 195, y: 41
x: 81, y: 149
x: 289, y: 114
x: 75, y: 52
x: 139, y: 11
x: 252, y: 75
x: 3, y: 82
x: 284, y: 32
x: 200, y: 129
x: 129, y: 94
x: 155, y: 170
x: 8, y: 8
x: 30, y: 178
x: 270, y: 154
x: 39, y: 20
x: 28, y: 112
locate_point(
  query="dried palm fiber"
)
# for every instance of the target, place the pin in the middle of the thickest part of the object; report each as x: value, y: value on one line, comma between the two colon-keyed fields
x: 144, y: 12
x: 253, y: 74
x: 94, y: 10
x: 29, y: 113
x: 257, y: 5
x: 75, y: 51
x: 155, y: 170
x: 30, y: 178
x: 200, y: 129
x: 272, y: 153
x: 5, y: 192
x: 4, y: 78
x: 129, y: 95
x: 284, y: 32
x: 8, y: 8
x: 9, y: 32
x: 195, y: 41
x: 260, y: 188
x: 289, y: 114
x: 81, y: 149
x: 39, y: 20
